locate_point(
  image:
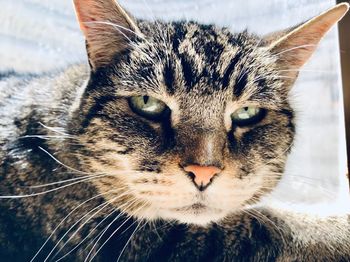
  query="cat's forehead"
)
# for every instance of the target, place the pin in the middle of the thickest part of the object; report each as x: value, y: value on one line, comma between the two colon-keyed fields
x: 193, y: 61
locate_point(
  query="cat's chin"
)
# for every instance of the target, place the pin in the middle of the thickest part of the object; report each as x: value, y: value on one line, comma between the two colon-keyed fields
x: 197, y: 214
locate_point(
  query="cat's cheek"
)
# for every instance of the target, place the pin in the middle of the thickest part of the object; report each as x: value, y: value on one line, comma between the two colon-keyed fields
x: 165, y: 190
x: 233, y: 191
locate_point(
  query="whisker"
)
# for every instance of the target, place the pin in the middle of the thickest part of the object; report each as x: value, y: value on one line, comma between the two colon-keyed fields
x: 265, y: 218
x: 293, y: 48
x: 64, y: 219
x: 276, y: 158
x: 244, y: 66
x: 113, y: 233
x: 119, y: 27
x: 82, y: 225
x: 160, y: 31
x: 59, y: 162
x: 69, y: 180
x: 255, y: 80
x: 127, y: 242
x: 305, y: 177
x: 54, y: 129
x: 99, y: 207
x: 97, y: 175
x: 138, y: 34
x: 305, y: 70
x: 92, y: 231
x: 100, y: 235
x: 47, y: 191
x: 46, y: 137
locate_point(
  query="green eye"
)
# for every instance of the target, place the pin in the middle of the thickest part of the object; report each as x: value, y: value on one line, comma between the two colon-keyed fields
x: 148, y: 107
x: 248, y: 115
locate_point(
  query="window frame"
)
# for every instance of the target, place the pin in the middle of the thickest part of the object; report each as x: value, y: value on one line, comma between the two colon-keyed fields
x: 344, y: 44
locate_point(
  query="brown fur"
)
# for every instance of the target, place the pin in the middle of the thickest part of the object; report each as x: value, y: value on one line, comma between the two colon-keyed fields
x: 113, y: 171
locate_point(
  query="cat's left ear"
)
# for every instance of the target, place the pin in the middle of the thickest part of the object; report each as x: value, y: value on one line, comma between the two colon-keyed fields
x: 294, y: 46
x: 107, y: 28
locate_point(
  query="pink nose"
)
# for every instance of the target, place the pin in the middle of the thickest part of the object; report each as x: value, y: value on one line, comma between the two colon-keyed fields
x: 202, y: 175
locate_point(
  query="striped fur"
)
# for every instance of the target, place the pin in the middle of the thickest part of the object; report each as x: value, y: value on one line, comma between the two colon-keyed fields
x: 60, y: 128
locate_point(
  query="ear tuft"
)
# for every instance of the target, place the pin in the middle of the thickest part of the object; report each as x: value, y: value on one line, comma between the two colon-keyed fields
x: 107, y: 29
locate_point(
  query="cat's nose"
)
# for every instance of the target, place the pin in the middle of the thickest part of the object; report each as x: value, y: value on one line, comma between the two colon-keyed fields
x: 202, y: 175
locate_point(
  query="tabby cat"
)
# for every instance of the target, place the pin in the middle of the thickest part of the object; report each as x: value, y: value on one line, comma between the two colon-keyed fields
x: 159, y: 148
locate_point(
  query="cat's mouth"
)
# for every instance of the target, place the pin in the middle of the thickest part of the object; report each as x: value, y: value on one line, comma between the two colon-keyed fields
x: 197, y: 207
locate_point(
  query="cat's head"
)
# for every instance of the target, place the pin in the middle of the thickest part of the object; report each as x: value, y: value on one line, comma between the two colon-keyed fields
x: 186, y: 121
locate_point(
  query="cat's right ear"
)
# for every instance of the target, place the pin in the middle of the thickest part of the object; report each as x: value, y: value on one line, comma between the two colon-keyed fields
x: 107, y: 29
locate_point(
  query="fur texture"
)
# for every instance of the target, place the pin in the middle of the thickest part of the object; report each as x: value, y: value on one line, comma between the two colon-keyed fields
x: 82, y: 170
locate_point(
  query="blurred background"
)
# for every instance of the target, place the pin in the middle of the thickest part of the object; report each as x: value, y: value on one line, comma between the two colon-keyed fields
x: 42, y: 35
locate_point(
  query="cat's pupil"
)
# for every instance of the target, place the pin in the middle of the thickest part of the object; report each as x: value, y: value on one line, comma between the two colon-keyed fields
x: 246, y: 108
x: 145, y: 99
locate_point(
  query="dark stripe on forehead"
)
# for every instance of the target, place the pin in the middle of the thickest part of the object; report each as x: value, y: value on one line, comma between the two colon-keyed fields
x: 240, y: 84
x: 261, y: 83
x: 229, y: 70
x: 169, y: 77
x: 188, y: 71
x: 178, y: 36
x: 212, y: 51
x: 145, y: 71
x: 205, y: 41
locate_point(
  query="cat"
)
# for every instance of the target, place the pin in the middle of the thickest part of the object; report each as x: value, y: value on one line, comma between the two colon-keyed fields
x: 159, y: 148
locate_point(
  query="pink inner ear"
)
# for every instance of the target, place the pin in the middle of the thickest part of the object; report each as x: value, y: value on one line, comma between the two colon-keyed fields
x: 297, y: 49
x: 104, y: 41
x: 298, y: 45
x: 88, y: 11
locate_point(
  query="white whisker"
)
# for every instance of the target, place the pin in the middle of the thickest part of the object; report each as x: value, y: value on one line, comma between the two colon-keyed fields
x: 119, y: 29
x: 46, y: 137
x: 100, y: 235
x: 293, y: 48
x: 59, y: 162
x: 84, y: 223
x: 113, y: 233
x: 64, y: 219
x: 99, y: 209
x: 54, y: 129
x: 91, y: 232
x: 127, y: 242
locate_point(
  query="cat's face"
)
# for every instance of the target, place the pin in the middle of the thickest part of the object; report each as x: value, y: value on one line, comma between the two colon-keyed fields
x: 184, y: 121
x: 199, y: 80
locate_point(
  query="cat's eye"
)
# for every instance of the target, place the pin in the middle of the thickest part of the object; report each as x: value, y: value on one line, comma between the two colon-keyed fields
x: 149, y: 107
x: 248, y: 115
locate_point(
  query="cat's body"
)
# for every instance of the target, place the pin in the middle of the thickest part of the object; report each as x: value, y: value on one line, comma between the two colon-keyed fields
x: 70, y: 128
